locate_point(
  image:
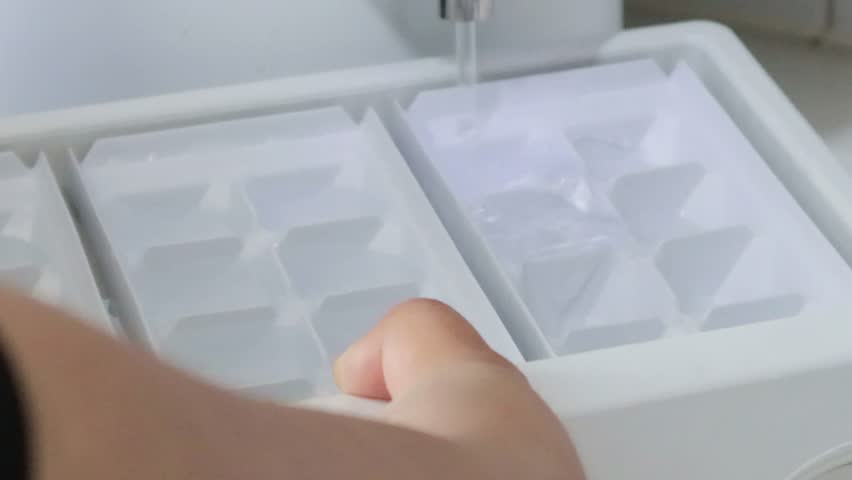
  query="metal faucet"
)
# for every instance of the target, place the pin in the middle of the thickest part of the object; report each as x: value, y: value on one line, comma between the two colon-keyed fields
x: 466, y: 10
x: 466, y: 14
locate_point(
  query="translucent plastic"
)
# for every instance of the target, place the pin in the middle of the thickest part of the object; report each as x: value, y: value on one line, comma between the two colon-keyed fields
x: 623, y: 205
x: 256, y: 251
x: 40, y: 252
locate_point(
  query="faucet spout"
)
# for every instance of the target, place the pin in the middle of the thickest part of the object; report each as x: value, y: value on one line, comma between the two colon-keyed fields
x: 466, y: 10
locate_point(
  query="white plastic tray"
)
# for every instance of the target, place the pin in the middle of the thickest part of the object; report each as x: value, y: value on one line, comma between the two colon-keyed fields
x: 755, y: 402
x: 621, y: 204
x: 255, y: 251
x: 40, y: 251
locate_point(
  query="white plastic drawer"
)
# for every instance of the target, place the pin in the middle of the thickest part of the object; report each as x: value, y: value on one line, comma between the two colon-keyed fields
x: 742, y: 393
x: 255, y: 251
x: 40, y: 251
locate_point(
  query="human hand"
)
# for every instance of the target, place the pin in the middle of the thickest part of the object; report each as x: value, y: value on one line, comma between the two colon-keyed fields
x: 98, y: 409
x: 443, y: 379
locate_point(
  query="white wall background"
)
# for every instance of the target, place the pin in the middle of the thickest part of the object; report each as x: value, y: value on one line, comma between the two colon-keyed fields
x: 60, y: 53
x: 56, y: 53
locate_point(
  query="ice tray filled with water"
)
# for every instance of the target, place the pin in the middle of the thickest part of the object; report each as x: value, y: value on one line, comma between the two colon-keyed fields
x: 615, y: 205
x: 40, y: 252
x: 254, y: 252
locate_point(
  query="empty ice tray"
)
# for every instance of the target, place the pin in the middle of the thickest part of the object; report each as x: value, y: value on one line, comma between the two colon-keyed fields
x: 254, y: 252
x: 614, y: 205
x: 40, y: 250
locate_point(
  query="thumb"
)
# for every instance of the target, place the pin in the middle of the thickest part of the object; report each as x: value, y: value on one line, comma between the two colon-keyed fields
x: 415, y: 341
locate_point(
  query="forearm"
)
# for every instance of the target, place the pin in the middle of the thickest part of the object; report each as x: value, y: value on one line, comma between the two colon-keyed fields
x: 101, y: 410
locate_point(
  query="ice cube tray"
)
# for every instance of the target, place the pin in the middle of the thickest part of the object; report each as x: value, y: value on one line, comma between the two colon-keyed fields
x: 40, y: 250
x: 615, y: 205
x: 253, y: 252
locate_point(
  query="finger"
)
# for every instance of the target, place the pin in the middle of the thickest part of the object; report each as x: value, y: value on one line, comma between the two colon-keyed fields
x: 413, y: 341
x: 359, y: 370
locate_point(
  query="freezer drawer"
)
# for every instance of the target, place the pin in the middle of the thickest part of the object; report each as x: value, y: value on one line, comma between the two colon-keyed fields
x: 721, y: 403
